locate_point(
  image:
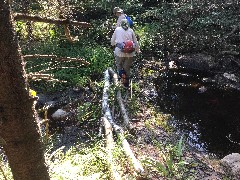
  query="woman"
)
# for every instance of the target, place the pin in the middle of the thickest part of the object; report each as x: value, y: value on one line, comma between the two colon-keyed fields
x: 119, y: 13
x: 123, y: 59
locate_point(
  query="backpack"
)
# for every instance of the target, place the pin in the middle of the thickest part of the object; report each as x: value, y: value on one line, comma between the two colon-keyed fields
x: 128, y: 46
x: 130, y: 21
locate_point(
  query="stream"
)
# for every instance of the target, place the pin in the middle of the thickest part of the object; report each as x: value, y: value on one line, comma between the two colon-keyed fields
x: 209, y: 117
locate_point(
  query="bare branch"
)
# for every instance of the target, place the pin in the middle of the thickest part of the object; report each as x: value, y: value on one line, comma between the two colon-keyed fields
x: 68, y: 35
x: 54, y: 68
x: 57, y: 58
x: 39, y: 56
x: 20, y: 16
x: 73, y: 60
x: 34, y: 76
x: 40, y: 76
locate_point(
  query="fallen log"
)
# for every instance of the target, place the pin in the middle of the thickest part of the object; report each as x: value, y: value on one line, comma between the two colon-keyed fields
x: 119, y: 98
x: 110, y: 146
x: 119, y: 131
x: 105, y: 107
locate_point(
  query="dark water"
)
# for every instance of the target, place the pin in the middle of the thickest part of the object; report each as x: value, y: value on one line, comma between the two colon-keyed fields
x: 210, y: 119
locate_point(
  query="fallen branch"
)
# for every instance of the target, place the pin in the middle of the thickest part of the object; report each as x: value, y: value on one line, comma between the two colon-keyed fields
x: 39, y: 76
x: 73, y: 60
x: 56, y: 58
x: 54, y: 68
x: 27, y: 17
x: 106, y: 111
x: 39, y: 56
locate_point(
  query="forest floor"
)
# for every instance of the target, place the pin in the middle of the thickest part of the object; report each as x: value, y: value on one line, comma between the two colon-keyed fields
x: 152, y: 141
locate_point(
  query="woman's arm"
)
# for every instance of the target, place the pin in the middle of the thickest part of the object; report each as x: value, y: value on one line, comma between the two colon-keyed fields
x: 113, y: 39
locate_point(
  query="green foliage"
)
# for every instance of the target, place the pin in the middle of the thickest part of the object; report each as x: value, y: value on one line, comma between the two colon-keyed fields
x: 89, y: 112
x: 83, y: 161
x: 159, y: 119
x: 72, y: 73
x: 189, y: 27
x: 133, y: 105
x: 163, y: 28
x: 5, y: 171
x: 171, y: 164
x: 80, y: 163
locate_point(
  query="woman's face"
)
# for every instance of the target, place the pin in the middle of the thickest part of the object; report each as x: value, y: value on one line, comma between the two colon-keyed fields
x: 117, y: 14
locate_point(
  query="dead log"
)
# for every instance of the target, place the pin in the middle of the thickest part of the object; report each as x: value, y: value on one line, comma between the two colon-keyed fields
x: 108, y: 133
x: 105, y: 108
x: 119, y: 131
x: 110, y: 146
x: 114, y: 75
x: 119, y: 98
x: 27, y: 17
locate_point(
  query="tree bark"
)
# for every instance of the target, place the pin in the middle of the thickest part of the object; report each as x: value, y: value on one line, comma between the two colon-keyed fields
x: 18, y: 125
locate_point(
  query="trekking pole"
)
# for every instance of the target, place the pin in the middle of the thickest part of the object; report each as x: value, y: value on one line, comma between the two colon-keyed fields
x: 131, y: 89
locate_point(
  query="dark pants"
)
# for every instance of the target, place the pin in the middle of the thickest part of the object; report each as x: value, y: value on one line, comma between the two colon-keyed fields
x: 124, y: 63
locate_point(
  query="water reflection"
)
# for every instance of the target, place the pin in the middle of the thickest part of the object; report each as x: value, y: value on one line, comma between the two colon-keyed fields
x: 208, y: 116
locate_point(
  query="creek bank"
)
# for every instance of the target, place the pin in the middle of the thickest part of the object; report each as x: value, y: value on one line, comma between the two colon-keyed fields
x: 204, y: 93
x: 222, y: 71
x: 142, y: 138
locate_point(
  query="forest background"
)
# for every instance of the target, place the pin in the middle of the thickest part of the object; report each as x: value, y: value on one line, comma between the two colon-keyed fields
x: 165, y: 29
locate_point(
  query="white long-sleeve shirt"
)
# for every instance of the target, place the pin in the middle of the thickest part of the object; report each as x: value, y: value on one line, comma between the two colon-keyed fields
x: 120, y: 36
x: 120, y: 18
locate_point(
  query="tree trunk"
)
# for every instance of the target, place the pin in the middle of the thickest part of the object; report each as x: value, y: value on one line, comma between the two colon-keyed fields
x: 18, y: 125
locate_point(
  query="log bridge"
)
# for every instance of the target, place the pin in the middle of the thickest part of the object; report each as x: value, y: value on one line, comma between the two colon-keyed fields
x: 109, y: 124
